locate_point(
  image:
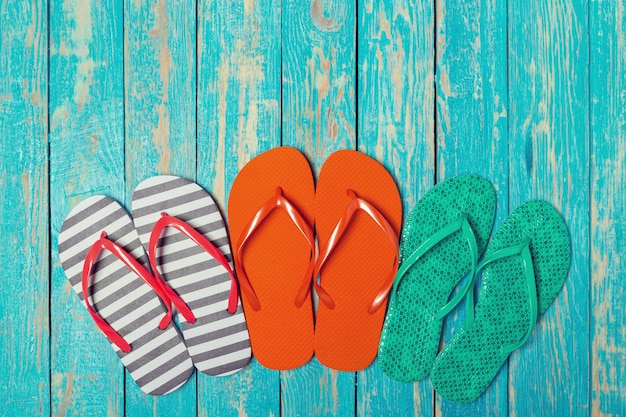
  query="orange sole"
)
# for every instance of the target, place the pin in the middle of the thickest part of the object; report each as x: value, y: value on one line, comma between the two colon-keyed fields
x: 347, y: 337
x: 276, y: 256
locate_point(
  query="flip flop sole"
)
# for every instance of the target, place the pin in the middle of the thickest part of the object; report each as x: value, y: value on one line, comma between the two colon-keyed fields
x: 276, y: 256
x: 411, y: 334
x: 217, y: 341
x: 347, y: 336
x: 158, y: 361
x: 469, y: 362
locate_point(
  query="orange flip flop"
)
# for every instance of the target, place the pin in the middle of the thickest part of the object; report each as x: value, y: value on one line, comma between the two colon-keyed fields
x: 358, y: 212
x: 270, y: 211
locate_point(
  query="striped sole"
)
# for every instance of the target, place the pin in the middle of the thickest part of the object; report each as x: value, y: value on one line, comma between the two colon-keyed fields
x: 218, y: 342
x: 158, y: 361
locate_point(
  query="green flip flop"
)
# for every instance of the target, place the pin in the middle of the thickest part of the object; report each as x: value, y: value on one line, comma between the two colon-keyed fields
x: 523, y: 271
x: 441, y: 242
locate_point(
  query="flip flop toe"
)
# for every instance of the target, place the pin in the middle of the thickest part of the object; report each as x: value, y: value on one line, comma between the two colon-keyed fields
x: 444, y: 235
x: 182, y: 228
x: 270, y: 212
x: 358, y: 212
x: 523, y: 271
x: 107, y: 267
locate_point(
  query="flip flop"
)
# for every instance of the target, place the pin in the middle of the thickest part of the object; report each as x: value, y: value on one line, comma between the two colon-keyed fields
x: 182, y: 228
x: 358, y: 212
x: 523, y: 271
x: 124, y: 298
x: 442, y: 240
x: 270, y: 212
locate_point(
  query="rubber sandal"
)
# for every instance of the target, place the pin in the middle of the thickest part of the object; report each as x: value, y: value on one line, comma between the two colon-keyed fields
x: 358, y: 212
x: 442, y: 240
x: 182, y: 228
x: 270, y: 211
x: 103, y: 257
x: 523, y: 271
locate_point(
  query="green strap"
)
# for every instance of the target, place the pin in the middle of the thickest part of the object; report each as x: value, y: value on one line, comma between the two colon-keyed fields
x: 460, y: 224
x: 523, y: 250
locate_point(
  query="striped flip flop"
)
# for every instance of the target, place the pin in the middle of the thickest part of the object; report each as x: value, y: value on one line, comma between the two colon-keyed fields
x: 102, y: 256
x: 183, y: 230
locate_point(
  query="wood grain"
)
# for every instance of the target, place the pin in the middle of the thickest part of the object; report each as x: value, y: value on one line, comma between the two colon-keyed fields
x: 549, y: 154
x: 318, y: 86
x: 160, y: 131
x: 86, y: 158
x: 238, y: 118
x: 395, y: 110
x: 24, y: 247
x: 318, y: 58
x: 528, y: 93
x: 608, y: 206
x: 472, y: 134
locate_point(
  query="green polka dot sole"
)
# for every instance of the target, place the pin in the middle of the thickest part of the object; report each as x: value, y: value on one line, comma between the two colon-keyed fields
x: 523, y: 271
x: 444, y: 235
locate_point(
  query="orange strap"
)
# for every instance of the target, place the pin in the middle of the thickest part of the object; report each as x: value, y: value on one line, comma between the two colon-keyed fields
x: 355, y: 204
x: 276, y: 201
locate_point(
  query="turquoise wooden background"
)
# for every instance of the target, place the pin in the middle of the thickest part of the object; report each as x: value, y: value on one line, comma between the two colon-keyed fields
x: 97, y: 95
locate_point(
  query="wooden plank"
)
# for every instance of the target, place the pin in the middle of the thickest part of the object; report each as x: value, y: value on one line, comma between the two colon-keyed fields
x: 549, y: 105
x: 86, y: 158
x: 319, y: 57
x: 395, y: 108
x: 24, y: 247
x: 472, y: 136
x: 160, y: 107
x: 608, y: 206
x: 238, y: 118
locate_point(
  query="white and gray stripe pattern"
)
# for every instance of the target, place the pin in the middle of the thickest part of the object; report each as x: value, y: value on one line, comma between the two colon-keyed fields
x: 158, y: 360
x: 218, y: 341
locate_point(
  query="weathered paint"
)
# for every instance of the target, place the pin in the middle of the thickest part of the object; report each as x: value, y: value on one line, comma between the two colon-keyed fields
x: 318, y: 86
x: 549, y: 154
x: 238, y: 117
x: 607, y: 337
x: 24, y: 248
x: 160, y: 131
x: 472, y: 134
x: 86, y: 158
x: 396, y: 110
x: 527, y: 94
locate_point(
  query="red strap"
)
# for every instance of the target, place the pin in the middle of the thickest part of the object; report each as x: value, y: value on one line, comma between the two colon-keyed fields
x: 200, y: 240
x: 355, y: 204
x: 276, y: 201
x: 129, y: 261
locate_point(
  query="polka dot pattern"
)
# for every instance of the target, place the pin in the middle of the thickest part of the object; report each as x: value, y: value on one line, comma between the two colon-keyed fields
x: 410, y: 336
x: 470, y: 361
